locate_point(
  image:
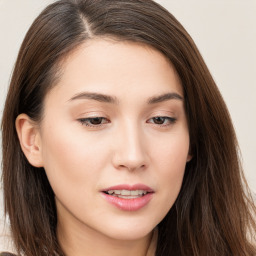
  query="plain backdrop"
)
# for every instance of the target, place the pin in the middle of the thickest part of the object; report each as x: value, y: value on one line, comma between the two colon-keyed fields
x: 225, y: 33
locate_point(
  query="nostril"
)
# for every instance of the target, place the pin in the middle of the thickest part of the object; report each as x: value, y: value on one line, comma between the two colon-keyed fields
x: 131, y: 160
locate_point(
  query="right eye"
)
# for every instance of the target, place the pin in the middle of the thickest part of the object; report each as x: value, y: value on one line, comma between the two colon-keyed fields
x: 93, y: 121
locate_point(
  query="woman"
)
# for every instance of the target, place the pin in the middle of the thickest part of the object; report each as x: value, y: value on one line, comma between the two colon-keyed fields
x: 122, y: 142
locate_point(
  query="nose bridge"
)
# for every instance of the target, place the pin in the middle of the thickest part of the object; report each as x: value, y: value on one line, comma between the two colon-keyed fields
x: 130, y: 151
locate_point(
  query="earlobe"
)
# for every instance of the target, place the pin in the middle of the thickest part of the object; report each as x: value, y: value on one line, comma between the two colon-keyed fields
x: 30, y: 139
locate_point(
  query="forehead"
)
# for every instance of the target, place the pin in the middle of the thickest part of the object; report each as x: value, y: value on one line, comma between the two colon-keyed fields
x: 113, y: 67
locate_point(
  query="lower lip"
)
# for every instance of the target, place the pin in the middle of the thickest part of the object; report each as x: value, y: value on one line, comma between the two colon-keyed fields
x: 133, y: 204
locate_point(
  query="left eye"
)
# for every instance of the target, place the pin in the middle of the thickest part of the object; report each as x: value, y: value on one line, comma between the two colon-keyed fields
x: 93, y: 121
x: 162, y: 120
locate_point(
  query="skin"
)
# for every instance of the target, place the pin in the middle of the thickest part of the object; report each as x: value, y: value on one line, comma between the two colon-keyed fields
x: 128, y: 146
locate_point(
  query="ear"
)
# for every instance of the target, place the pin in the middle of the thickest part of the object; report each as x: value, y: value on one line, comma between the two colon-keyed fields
x: 30, y: 139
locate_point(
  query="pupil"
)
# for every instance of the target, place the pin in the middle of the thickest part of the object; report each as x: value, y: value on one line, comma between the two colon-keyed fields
x: 96, y: 120
x: 159, y: 120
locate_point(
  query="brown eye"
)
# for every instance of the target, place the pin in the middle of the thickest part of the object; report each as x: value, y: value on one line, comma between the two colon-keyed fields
x: 93, y: 121
x: 96, y: 120
x: 159, y: 120
x: 162, y: 120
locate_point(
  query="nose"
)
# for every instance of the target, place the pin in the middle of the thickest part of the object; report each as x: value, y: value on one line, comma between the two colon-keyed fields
x: 130, y: 149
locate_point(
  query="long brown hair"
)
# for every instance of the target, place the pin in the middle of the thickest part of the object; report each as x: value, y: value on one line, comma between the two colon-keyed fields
x: 213, y: 214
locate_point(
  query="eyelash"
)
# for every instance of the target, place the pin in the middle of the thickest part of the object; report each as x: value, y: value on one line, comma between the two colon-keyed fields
x: 164, y: 122
x: 167, y: 121
x: 87, y: 121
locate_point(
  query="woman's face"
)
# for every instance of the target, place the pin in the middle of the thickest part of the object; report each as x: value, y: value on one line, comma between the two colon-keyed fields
x: 114, y: 139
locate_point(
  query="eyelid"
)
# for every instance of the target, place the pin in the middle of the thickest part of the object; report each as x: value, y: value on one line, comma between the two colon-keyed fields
x: 86, y: 121
x: 171, y: 121
x: 92, y: 113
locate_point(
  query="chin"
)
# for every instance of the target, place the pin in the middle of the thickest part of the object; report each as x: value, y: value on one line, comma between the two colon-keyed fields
x: 129, y: 231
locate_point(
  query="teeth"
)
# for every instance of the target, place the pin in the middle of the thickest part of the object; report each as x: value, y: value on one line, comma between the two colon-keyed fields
x: 127, y: 193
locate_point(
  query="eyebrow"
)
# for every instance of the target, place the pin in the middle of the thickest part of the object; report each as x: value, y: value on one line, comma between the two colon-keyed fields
x: 95, y: 96
x: 111, y: 99
x: 165, y: 97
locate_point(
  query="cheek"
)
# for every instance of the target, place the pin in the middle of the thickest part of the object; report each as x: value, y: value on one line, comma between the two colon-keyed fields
x: 71, y: 159
x: 170, y: 161
x: 171, y: 152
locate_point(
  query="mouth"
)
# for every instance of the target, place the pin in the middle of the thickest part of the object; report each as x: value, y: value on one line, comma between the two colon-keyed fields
x: 127, y: 194
x: 128, y: 197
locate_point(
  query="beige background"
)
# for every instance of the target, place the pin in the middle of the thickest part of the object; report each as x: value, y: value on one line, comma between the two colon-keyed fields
x: 225, y: 32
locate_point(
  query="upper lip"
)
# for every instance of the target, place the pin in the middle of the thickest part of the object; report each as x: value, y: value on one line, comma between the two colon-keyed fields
x: 129, y: 187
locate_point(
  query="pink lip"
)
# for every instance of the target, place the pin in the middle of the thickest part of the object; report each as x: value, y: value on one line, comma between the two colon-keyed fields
x: 129, y: 204
x: 130, y: 187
